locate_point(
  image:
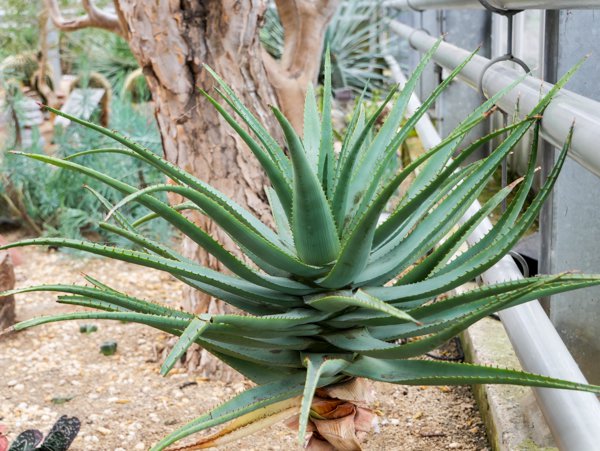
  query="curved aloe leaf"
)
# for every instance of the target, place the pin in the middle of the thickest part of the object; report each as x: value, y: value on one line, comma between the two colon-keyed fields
x: 393, y: 226
x: 168, y: 169
x: 482, y: 261
x: 336, y: 303
x: 357, y: 247
x: 449, y: 247
x: 187, y: 270
x: 166, y: 323
x: 257, y: 128
x: 317, y: 365
x: 198, y: 235
x: 326, y: 163
x: 508, y: 217
x: 239, y: 231
x: 312, y: 129
x: 248, y: 401
x: 340, y: 196
x: 275, y: 174
x: 479, y: 114
x: 191, y: 333
x: 369, y: 174
x: 248, y: 424
x: 313, y: 227
x: 179, y: 207
x: 420, y: 372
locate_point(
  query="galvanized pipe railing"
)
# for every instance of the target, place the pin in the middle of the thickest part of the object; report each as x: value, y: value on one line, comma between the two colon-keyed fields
x: 422, y: 5
x: 566, y: 108
x: 573, y: 417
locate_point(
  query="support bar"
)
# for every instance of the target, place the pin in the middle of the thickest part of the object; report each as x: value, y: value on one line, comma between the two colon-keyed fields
x: 565, y: 108
x: 422, y: 5
x: 573, y: 417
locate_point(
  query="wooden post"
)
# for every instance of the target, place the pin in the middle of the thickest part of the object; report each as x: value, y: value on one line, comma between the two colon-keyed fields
x: 7, y: 282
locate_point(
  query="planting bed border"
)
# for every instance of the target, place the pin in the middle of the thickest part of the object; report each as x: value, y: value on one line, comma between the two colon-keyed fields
x: 512, y: 418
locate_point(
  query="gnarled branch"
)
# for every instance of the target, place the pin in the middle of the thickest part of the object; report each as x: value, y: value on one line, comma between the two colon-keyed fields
x: 95, y: 18
x: 304, y: 23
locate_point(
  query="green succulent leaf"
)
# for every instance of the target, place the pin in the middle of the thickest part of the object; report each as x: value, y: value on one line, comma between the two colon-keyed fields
x: 253, y: 124
x: 275, y: 174
x: 184, y: 269
x: 349, y: 154
x: 191, y: 333
x: 438, y: 315
x: 427, y: 372
x: 479, y: 114
x: 313, y: 227
x: 317, y: 365
x: 108, y: 295
x: 247, y: 401
x: 326, y: 162
x: 282, y: 223
x: 336, y: 303
x: 165, y: 323
x: 312, y: 129
x: 238, y: 230
x: 358, y: 245
x: 369, y: 175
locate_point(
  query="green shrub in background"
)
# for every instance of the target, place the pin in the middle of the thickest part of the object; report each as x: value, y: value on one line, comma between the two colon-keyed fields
x: 98, y: 51
x: 20, y: 28
x: 53, y: 202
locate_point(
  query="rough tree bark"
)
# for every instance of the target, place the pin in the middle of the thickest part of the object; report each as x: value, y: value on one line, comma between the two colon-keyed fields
x: 172, y: 40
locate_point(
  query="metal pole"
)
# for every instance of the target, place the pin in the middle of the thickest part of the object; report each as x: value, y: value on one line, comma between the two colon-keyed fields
x: 566, y: 108
x: 421, y: 5
x: 573, y: 417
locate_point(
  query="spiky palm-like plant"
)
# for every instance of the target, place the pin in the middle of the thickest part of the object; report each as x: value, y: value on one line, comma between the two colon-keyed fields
x: 331, y: 295
x: 353, y: 38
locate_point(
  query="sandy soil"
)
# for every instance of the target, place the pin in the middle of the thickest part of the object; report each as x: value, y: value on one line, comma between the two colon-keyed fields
x: 124, y: 404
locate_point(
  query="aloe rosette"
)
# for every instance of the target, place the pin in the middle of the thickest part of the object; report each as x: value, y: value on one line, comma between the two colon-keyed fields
x: 332, y: 294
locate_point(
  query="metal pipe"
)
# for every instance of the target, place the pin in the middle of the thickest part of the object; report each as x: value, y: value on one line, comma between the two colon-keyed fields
x: 566, y: 107
x: 422, y: 5
x: 573, y: 417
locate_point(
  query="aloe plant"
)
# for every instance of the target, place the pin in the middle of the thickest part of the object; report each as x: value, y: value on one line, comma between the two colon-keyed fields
x: 332, y: 294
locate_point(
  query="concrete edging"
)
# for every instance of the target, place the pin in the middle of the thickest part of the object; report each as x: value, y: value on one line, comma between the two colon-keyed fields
x: 512, y: 418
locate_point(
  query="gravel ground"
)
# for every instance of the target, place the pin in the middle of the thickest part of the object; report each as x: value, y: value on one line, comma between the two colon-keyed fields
x: 124, y: 404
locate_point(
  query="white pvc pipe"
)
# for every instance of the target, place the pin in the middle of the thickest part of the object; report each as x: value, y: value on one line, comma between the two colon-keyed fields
x: 566, y: 107
x: 422, y: 5
x: 573, y: 417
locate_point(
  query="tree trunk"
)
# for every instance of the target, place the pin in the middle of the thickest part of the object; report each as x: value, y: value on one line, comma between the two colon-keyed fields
x: 305, y: 23
x: 7, y: 282
x: 171, y: 41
